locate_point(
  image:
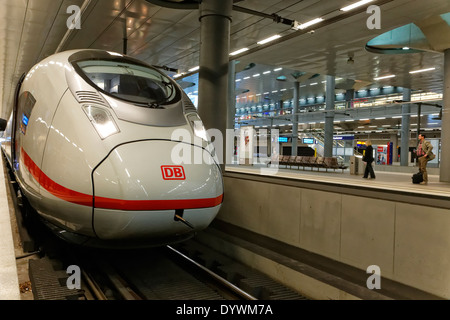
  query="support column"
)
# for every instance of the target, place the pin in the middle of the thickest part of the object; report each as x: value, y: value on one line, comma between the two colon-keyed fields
x: 295, y: 118
x: 231, y: 95
x: 215, y: 19
x: 394, y: 140
x: 404, y: 134
x: 329, y: 117
x: 444, y: 161
x: 349, y: 96
x: 231, y: 114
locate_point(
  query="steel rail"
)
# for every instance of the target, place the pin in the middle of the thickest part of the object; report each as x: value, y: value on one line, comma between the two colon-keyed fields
x: 236, y: 290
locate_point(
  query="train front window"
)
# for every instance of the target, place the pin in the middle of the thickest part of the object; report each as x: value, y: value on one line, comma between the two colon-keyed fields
x: 131, y: 82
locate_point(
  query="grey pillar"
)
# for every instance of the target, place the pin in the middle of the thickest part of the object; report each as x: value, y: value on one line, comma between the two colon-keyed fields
x: 406, y: 120
x: 295, y: 118
x: 231, y: 114
x: 394, y: 140
x: 231, y: 95
x: 444, y: 161
x: 215, y: 19
x: 349, y: 96
x: 329, y: 117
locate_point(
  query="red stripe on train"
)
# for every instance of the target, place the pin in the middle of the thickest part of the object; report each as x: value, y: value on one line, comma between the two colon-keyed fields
x: 113, y: 204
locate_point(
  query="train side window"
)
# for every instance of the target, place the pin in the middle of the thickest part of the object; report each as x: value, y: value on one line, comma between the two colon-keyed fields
x: 25, y: 107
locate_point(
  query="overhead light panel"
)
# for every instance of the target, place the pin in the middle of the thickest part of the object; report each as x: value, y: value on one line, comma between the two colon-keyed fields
x: 309, y: 23
x: 422, y: 70
x: 355, y: 5
x: 194, y: 69
x: 238, y: 51
x: 385, y: 77
x: 269, y: 39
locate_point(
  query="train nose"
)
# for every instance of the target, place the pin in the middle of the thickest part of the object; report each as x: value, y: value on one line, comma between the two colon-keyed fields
x: 138, y: 190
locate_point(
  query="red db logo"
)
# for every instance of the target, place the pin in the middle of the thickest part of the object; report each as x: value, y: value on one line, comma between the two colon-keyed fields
x: 173, y: 173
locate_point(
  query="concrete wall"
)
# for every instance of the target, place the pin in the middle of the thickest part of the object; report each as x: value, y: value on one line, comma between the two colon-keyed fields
x: 409, y: 242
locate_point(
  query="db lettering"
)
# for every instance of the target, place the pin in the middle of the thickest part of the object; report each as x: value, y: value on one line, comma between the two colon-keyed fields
x: 173, y: 173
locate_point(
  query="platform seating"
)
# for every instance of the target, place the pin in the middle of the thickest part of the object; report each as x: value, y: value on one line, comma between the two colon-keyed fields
x: 307, y: 162
x: 333, y: 163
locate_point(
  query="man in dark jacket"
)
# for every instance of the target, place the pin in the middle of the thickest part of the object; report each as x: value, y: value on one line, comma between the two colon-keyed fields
x: 424, y: 155
x: 368, y: 159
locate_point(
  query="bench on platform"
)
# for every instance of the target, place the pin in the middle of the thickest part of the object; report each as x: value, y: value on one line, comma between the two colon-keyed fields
x: 307, y: 162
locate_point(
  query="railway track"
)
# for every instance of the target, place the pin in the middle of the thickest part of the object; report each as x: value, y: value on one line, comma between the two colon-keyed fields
x: 156, y: 274
x: 186, y: 271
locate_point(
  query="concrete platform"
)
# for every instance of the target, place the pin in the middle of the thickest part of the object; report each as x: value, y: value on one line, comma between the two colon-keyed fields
x: 386, y: 178
x: 389, y: 222
x: 9, y: 284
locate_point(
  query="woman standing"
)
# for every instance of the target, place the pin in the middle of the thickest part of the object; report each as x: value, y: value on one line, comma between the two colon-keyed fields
x: 368, y: 159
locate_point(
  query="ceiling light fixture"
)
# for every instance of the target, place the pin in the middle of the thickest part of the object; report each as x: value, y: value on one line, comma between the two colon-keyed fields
x: 355, y: 5
x: 269, y: 39
x: 309, y: 23
x: 194, y: 69
x: 238, y: 51
x: 422, y: 70
x: 385, y: 77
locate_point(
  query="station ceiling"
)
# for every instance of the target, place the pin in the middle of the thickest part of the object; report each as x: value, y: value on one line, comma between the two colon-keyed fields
x: 31, y: 30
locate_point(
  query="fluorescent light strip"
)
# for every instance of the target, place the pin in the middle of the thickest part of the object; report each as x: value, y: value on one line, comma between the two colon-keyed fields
x: 385, y: 77
x: 355, y: 5
x: 238, y: 51
x: 194, y: 69
x: 422, y: 70
x: 269, y: 39
x: 309, y: 23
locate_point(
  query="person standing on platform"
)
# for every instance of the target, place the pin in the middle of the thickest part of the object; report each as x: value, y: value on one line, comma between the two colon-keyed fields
x: 424, y: 154
x: 368, y: 159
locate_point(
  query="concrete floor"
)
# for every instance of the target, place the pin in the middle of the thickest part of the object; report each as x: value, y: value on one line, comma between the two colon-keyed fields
x: 385, y: 180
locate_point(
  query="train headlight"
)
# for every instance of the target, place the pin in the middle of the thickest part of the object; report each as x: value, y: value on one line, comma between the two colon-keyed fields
x: 102, y: 121
x: 198, y: 127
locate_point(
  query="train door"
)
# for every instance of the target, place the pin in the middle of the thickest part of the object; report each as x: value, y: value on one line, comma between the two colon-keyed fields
x: 15, y: 152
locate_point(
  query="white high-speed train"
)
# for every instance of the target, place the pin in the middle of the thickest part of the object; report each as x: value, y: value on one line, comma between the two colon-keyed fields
x: 91, y: 144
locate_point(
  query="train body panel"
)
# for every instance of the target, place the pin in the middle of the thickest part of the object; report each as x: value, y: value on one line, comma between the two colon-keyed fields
x: 6, y: 144
x: 121, y: 224
x: 96, y: 149
x: 37, y: 100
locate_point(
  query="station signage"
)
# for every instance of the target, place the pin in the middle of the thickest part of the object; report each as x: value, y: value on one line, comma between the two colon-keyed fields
x: 349, y: 137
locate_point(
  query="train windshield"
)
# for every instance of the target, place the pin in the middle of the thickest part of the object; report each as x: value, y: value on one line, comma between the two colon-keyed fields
x: 128, y: 81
